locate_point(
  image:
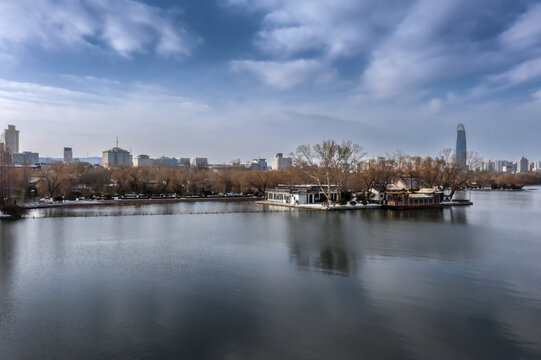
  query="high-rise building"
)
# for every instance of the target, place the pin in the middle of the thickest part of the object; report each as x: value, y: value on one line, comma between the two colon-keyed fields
x: 143, y: 160
x: 116, y: 157
x: 167, y: 161
x: 281, y: 163
x: 10, y: 138
x: 68, y: 155
x: 184, y: 162
x: 25, y: 158
x: 461, y: 149
x: 489, y: 165
x: 522, y: 165
x: 199, y: 162
x: 256, y: 164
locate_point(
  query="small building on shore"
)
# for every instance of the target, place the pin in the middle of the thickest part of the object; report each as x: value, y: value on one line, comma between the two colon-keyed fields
x: 299, y: 194
x: 407, y: 199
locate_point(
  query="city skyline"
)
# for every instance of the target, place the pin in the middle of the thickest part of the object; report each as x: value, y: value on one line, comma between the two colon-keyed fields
x: 459, y: 148
x: 244, y: 78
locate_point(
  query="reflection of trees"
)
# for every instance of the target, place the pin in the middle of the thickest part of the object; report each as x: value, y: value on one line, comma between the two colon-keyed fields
x: 321, y: 240
x: 338, y: 242
x: 7, y: 252
x: 7, y: 258
x: 334, y: 258
x: 458, y: 216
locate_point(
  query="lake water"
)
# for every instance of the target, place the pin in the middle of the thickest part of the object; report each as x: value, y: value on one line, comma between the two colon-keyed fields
x: 460, y: 283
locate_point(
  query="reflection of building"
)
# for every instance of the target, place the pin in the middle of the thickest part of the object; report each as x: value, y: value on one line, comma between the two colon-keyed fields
x: 298, y: 194
x: 522, y: 165
x: 116, y: 157
x: 10, y: 139
x: 25, y: 158
x: 281, y: 163
x: 68, y: 155
x: 199, y: 162
x: 461, y: 149
x: 143, y: 160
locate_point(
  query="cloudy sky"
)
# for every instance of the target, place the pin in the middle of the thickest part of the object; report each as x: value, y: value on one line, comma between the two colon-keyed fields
x: 247, y: 78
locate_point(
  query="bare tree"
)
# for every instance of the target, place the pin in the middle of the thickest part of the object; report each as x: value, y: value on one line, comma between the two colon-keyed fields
x: 348, y: 158
x: 455, y: 176
x: 259, y: 180
x: 53, y: 176
x: 5, y: 176
x: 328, y: 164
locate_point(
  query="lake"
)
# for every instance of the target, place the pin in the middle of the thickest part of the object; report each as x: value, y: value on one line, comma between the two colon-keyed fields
x: 246, y: 282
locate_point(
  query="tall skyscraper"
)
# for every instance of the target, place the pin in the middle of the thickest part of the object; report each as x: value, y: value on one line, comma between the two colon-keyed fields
x: 460, y: 149
x: 10, y: 138
x: 68, y: 155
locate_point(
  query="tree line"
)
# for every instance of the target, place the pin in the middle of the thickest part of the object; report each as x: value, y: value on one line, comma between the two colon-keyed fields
x: 328, y: 164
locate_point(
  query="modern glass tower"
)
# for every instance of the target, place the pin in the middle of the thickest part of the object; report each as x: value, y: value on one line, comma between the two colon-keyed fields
x: 461, y: 150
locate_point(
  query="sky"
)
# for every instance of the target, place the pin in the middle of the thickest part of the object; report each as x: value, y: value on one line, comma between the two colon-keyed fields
x: 228, y: 79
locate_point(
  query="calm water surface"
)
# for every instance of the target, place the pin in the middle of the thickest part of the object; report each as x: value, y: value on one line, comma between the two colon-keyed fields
x: 461, y: 283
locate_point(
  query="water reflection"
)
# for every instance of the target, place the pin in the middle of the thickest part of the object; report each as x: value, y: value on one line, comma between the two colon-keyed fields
x: 456, y: 283
x: 7, y: 259
x: 173, y: 208
x: 321, y: 240
x: 339, y: 243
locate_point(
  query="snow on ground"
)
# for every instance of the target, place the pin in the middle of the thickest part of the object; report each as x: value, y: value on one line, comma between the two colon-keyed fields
x: 356, y: 206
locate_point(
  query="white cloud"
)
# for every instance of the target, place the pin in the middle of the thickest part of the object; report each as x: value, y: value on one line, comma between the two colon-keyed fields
x: 285, y: 75
x: 124, y: 26
x: 333, y: 28
x: 526, y: 31
x: 402, y: 47
x: 529, y: 70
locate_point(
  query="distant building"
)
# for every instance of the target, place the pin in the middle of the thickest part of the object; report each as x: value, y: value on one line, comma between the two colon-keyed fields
x: 198, y: 162
x: 499, y: 164
x: 25, y: 158
x: 143, y: 160
x: 370, y: 161
x: 281, y: 163
x: 68, y: 155
x: 172, y: 162
x: 116, y: 157
x: 461, y: 149
x: 257, y: 164
x: 489, y: 165
x: 184, y: 162
x: 522, y: 165
x: 10, y: 139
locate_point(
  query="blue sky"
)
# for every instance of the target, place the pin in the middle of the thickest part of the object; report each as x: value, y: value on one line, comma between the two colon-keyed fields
x: 233, y: 79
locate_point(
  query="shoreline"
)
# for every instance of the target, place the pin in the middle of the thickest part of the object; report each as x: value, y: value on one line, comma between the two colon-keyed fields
x: 127, y: 202
x: 320, y: 207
